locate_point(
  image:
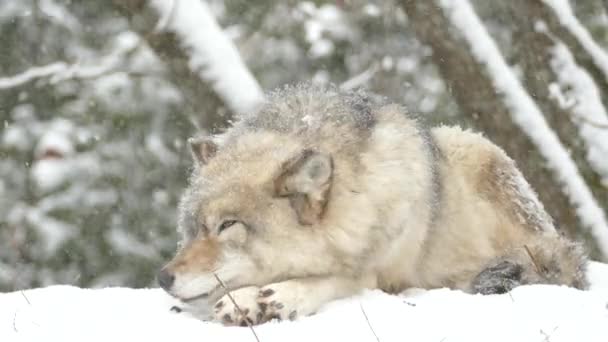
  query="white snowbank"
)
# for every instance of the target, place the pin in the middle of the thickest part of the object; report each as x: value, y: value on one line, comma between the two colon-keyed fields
x: 212, y: 55
x: 529, y: 118
x: 528, y: 313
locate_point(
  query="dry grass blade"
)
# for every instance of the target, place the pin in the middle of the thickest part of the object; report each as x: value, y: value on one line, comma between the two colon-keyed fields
x: 236, y: 305
x: 368, y: 323
x: 538, y: 269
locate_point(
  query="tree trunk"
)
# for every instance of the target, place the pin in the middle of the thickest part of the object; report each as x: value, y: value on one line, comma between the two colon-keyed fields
x: 477, y: 97
x: 540, y: 10
x: 198, y: 86
x: 533, y: 53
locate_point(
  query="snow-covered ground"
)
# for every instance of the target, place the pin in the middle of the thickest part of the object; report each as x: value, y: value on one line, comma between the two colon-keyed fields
x: 529, y: 313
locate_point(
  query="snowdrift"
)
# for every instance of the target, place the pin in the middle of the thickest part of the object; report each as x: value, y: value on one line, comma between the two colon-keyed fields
x: 529, y: 313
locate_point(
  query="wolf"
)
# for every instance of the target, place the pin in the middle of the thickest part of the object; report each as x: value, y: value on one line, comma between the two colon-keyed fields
x: 322, y: 193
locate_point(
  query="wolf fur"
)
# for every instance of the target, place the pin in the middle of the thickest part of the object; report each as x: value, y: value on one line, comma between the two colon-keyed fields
x: 323, y: 193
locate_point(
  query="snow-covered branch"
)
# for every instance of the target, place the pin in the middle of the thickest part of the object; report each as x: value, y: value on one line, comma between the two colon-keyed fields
x: 211, y: 53
x: 564, y: 13
x: 187, y: 37
x: 577, y: 91
x: 61, y: 71
x: 528, y: 117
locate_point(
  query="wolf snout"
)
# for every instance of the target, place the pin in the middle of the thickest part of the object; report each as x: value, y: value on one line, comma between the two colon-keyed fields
x: 165, y: 279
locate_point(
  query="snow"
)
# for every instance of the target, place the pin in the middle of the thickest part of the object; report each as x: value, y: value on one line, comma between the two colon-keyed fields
x: 125, y: 243
x: 212, y: 55
x: 528, y: 313
x: 15, y: 137
x: 579, y: 93
x: 56, y: 138
x: 59, y: 15
x: 529, y: 118
x: 32, y: 73
x: 372, y: 10
x: 360, y: 79
x: 563, y: 10
x: 10, y: 9
x: 54, y: 232
x: 49, y: 174
x: 324, y: 22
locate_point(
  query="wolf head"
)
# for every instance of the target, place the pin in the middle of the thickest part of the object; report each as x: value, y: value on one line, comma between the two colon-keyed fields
x: 268, y: 200
x: 249, y: 215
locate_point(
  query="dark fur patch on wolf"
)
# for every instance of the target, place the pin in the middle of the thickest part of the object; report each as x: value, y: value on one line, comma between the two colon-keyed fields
x: 500, y: 278
x: 435, y: 156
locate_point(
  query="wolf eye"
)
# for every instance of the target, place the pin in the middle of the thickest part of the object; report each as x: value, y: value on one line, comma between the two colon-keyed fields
x: 226, y: 224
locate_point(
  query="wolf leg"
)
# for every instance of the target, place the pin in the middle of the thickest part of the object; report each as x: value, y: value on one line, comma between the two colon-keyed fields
x: 301, y: 297
x: 284, y: 300
x: 550, y: 259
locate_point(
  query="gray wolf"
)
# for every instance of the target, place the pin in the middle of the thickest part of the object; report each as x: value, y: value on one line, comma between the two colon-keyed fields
x: 322, y: 193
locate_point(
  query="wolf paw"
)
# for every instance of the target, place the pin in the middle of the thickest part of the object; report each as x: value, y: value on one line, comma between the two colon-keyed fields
x: 280, y: 301
x: 248, y: 310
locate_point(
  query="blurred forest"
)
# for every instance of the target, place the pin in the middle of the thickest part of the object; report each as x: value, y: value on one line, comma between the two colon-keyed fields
x: 97, y: 99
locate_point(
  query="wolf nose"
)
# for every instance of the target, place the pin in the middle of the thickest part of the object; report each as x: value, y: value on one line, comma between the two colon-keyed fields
x: 165, y: 279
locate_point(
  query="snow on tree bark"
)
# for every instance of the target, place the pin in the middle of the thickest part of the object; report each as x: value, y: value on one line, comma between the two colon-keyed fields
x: 546, y: 73
x: 204, y: 63
x: 486, y: 89
x: 562, y: 22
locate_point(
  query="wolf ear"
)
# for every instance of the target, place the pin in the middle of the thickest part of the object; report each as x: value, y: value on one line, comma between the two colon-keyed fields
x: 202, y: 149
x: 306, y: 180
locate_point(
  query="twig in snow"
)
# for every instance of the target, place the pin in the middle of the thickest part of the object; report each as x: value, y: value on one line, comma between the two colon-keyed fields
x: 511, y: 296
x: 27, y: 300
x: 409, y: 303
x: 236, y: 306
x: 548, y: 336
x: 368, y: 323
x: 15, y: 315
